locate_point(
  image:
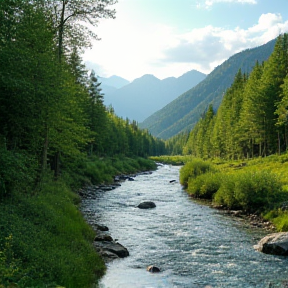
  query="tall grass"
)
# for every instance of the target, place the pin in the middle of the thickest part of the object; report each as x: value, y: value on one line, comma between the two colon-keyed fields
x: 49, y: 240
x: 44, y: 239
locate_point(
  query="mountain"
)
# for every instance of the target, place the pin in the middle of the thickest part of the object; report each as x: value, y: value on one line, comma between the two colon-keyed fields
x: 184, y: 112
x: 114, y: 81
x: 147, y: 94
x: 111, y: 84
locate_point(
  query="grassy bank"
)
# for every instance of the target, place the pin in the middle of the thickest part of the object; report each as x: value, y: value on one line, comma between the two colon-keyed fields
x: 255, y: 186
x: 44, y: 240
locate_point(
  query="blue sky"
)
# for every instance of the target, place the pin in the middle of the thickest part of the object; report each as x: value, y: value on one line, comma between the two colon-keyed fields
x: 170, y: 37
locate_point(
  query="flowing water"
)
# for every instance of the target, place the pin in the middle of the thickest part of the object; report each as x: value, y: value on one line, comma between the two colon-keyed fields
x: 193, y: 244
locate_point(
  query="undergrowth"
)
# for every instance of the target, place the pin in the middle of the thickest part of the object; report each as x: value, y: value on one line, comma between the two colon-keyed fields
x: 44, y: 239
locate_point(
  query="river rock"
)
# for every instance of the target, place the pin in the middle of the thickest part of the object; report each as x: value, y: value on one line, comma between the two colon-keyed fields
x: 103, y: 238
x: 153, y: 269
x: 275, y: 244
x: 114, y: 247
x: 147, y: 205
x: 101, y: 227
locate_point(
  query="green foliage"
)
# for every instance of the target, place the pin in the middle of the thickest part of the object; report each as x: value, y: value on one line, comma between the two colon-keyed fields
x: 173, y: 160
x: 194, y: 168
x: 205, y: 185
x: 51, y: 238
x: 252, y: 117
x: 12, y: 161
x: 9, y: 266
x: 175, y: 144
x: 250, y: 190
x: 52, y: 118
x: 279, y: 218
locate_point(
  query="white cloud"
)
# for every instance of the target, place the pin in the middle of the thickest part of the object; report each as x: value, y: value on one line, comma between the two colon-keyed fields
x: 210, y: 46
x: 131, y: 50
x: 209, y: 3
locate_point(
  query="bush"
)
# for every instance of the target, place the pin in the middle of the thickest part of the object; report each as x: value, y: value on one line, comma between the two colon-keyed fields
x: 250, y: 190
x: 194, y: 168
x: 17, y: 169
x: 205, y: 185
x: 225, y: 195
x: 279, y: 218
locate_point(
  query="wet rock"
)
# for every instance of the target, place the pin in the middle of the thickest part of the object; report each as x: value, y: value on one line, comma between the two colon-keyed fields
x: 101, y: 227
x: 107, y: 238
x: 116, y: 179
x: 147, y: 205
x: 153, y: 269
x: 275, y: 244
x: 116, y: 185
x: 107, y: 187
x: 113, y: 247
x: 236, y: 213
x: 107, y: 255
x: 130, y: 179
x: 172, y: 181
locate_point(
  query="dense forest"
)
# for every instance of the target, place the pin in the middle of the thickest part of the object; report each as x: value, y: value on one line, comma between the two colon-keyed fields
x: 51, y: 110
x: 55, y: 135
x: 252, y: 118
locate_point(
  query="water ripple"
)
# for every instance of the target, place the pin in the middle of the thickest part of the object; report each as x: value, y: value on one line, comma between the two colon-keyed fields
x: 194, y: 245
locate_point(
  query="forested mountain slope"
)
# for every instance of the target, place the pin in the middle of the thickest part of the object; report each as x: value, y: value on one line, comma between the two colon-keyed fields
x: 184, y: 112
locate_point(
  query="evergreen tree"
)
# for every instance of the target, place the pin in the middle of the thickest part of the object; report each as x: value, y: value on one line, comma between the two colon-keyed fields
x: 275, y: 70
x: 251, y: 128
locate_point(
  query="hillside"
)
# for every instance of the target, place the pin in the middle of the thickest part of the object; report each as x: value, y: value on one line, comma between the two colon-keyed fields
x: 184, y: 112
x: 148, y: 94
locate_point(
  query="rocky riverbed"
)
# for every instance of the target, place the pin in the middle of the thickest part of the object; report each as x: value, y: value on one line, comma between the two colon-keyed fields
x: 105, y: 245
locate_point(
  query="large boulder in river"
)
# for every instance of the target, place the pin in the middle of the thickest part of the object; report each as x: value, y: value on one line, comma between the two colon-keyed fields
x: 147, y: 205
x: 275, y: 244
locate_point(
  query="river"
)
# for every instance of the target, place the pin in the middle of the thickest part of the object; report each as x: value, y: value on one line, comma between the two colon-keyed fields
x: 193, y: 244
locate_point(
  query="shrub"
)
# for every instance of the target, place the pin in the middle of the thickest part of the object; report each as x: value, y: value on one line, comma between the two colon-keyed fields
x: 205, y: 185
x: 225, y: 195
x: 194, y: 168
x: 10, y: 162
x: 250, y: 190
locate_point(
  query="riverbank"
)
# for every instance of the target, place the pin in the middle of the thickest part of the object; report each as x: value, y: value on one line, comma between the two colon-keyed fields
x: 192, y: 244
x: 256, y: 187
x: 44, y: 239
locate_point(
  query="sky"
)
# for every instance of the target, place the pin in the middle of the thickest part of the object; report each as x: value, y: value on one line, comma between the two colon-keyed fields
x: 168, y: 38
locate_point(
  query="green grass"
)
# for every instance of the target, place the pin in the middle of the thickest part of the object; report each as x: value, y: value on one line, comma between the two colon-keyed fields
x: 44, y: 239
x: 48, y: 239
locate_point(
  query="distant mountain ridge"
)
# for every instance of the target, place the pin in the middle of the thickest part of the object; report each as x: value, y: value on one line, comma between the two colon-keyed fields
x: 184, y: 112
x: 111, y: 84
x: 147, y: 94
